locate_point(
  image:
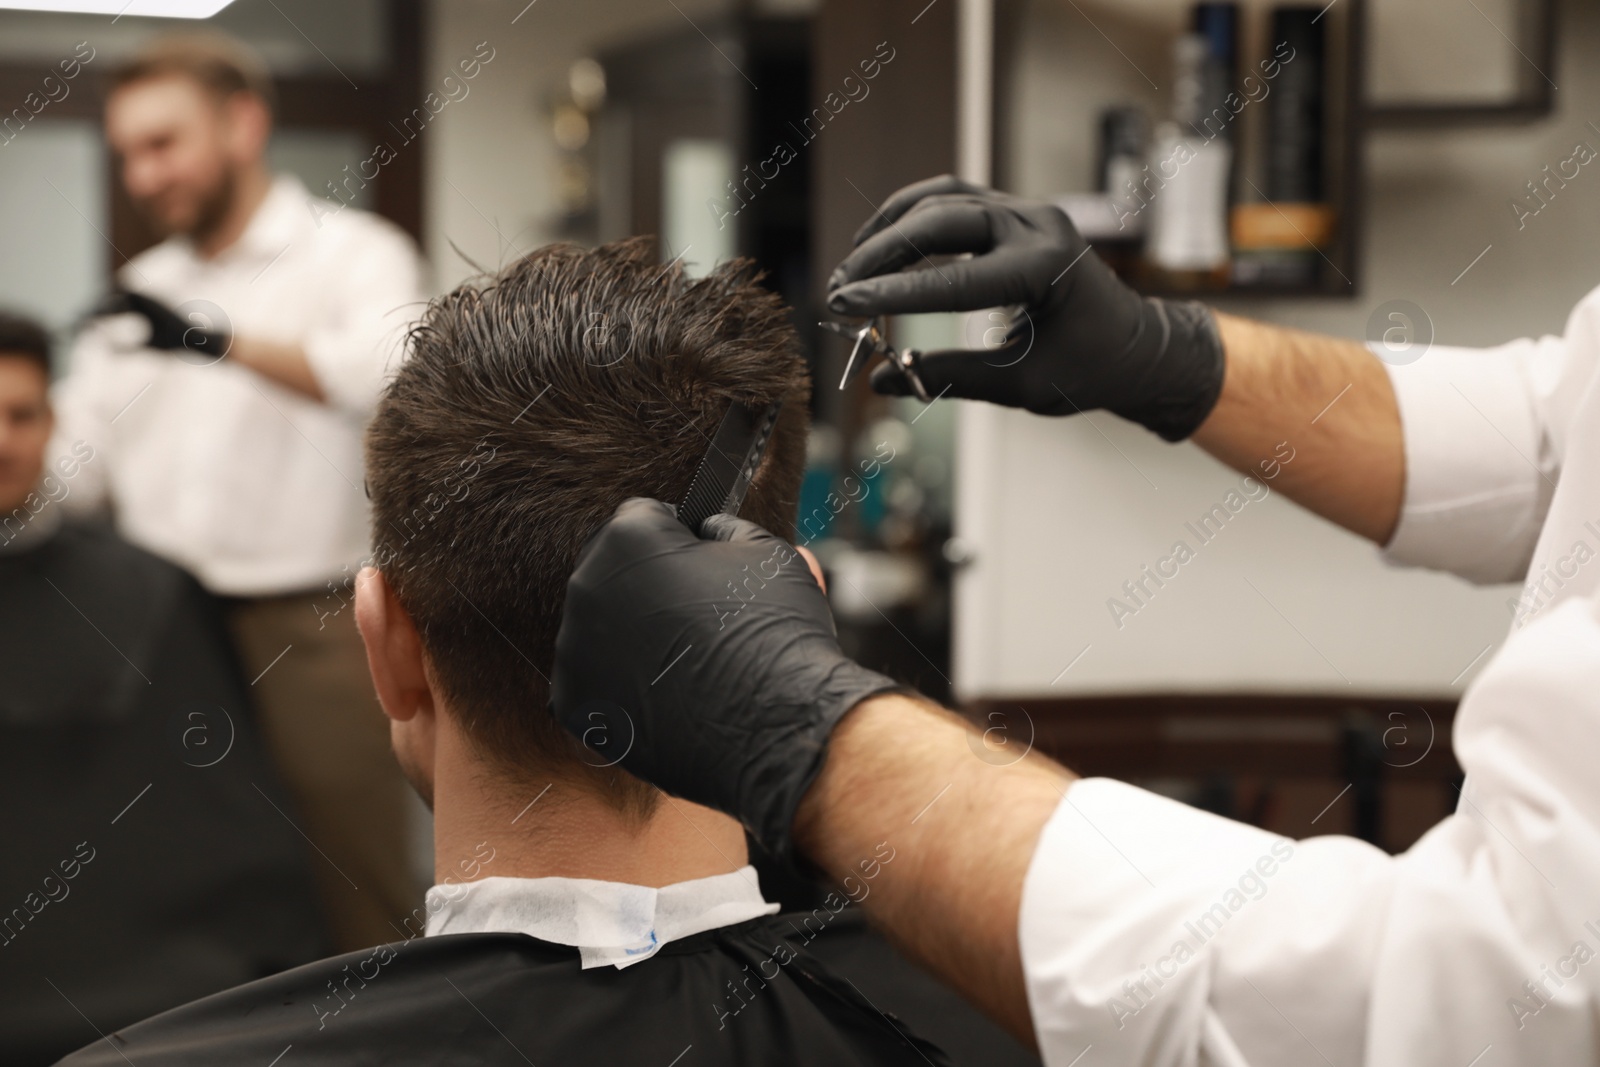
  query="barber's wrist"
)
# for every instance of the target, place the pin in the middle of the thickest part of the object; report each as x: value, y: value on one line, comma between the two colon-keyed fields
x: 1183, y: 368
x: 871, y: 731
x: 811, y: 814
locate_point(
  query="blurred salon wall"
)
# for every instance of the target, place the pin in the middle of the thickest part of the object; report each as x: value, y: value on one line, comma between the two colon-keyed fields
x: 495, y: 170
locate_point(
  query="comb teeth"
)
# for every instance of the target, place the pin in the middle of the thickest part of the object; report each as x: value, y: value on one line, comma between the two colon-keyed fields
x: 725, y: 471
x: 705, y: 497
x: 719, y: 469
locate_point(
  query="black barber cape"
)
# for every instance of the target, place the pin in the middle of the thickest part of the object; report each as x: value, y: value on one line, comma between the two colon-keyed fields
x: 761, y: 992
x: 144, y: 863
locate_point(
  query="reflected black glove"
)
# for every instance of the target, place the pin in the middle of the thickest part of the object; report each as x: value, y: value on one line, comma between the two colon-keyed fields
x: 1081, y: 339
x: 169, y: 331
x: 710, y: 668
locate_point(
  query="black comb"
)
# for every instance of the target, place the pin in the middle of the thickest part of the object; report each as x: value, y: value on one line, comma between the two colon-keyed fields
x: 724, y: 476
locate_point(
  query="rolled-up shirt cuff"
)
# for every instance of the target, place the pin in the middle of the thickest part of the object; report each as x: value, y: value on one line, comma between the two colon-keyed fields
x: 1478, y: 473
x: 353, y: 371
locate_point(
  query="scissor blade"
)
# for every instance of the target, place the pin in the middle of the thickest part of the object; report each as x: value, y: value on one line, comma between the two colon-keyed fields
x: 867, y: 336
x: 855, y: 350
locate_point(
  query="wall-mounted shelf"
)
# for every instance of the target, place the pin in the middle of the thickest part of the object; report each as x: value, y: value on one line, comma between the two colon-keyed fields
x: 1077, y: 59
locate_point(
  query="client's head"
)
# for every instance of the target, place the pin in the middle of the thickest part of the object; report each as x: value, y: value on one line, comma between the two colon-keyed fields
x: 532, y: 403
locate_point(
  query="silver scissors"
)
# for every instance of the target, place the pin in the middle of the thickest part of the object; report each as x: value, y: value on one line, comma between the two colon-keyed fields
x: 870, y: 338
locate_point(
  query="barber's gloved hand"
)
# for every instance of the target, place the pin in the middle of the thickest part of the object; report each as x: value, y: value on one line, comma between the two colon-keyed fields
x: 1081, y: 339
x: 708, y: 667
x: 169, y: 331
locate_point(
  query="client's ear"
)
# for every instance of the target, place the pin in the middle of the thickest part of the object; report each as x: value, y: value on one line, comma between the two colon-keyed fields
x: 394, y: 648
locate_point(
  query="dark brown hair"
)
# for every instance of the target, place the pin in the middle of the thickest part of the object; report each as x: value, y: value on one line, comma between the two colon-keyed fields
x: 222, y: 65
x: 532, y: 403
x: 25, y: 338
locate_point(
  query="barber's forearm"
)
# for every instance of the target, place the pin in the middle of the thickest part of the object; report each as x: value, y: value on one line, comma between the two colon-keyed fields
x: 285, y: 364
x: 1331, y: 401
x: 906, y: 776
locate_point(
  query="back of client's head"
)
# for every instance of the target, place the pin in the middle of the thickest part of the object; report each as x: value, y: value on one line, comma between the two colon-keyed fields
x: 531, y: 405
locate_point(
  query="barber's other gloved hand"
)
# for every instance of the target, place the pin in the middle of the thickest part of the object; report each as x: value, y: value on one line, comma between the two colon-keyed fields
x: 1081, y: 339
x: 169, y: 331
x: 708, y: 667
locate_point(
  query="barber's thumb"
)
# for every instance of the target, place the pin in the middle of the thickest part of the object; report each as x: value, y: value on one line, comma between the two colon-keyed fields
x: 645, y: 511
x: 637, y: 520
x: 725, y: 527
x: 956, y: 372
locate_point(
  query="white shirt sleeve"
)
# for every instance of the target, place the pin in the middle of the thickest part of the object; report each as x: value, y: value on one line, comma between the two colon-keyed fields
x: 1162, y: 935
x: 355, y: 350
x: 1485, y: 433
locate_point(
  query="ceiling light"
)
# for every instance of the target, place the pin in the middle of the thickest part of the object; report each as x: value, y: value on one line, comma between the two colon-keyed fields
x: 171, y: 9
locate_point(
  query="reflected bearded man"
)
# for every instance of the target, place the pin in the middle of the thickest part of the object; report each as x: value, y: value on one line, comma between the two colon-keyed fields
x: 226, y: 384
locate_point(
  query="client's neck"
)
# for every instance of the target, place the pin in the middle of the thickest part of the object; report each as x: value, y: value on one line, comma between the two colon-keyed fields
x: 561, y: 827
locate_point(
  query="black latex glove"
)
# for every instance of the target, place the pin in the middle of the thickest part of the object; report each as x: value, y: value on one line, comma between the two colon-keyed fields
x: 709, y: 667
x: 169, y: 331
x: 1081, y: 339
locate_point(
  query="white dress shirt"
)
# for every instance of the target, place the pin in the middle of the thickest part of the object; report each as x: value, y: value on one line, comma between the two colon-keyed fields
x: 610, y: 923
x: 254, y: 487
x: 1159, y: 934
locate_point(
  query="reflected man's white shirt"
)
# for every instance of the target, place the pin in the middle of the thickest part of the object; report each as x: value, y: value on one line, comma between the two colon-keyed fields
x: 254, y: 487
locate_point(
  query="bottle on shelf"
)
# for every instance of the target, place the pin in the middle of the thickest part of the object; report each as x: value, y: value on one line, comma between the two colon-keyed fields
x: 1279, y: 238
x: 1189, y: 174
